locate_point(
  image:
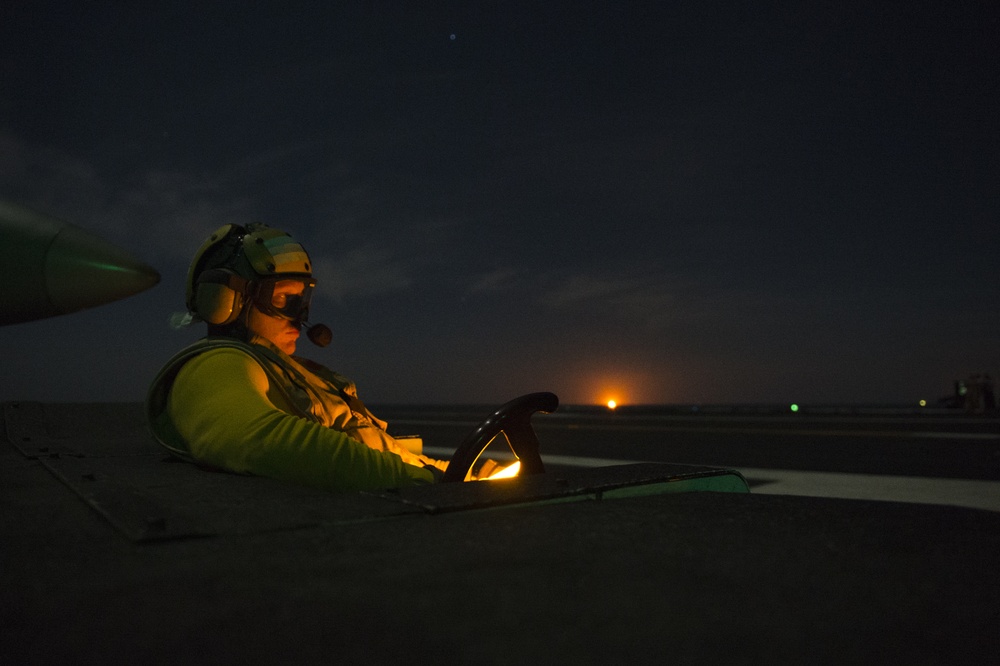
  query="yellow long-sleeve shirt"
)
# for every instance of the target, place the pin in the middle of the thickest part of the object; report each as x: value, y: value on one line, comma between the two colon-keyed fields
x: 221, y: 408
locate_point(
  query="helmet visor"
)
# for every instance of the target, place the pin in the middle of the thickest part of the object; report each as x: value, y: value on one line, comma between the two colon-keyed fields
x: 286, y: 298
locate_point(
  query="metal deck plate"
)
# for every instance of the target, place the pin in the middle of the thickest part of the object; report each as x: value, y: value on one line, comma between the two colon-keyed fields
x: 104, y: 454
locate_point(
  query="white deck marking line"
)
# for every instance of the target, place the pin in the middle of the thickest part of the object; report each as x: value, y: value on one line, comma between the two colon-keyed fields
x: 969, y: 493
x: 798, y: 432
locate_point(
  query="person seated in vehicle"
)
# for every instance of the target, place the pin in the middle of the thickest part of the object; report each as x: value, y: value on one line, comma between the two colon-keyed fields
x: 239, y: 400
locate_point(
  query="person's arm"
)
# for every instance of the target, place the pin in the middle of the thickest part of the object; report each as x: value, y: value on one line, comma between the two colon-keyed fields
x: 219, y: 406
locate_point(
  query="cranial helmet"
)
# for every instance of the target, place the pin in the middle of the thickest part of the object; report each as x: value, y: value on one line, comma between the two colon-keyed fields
x: 237, y: 266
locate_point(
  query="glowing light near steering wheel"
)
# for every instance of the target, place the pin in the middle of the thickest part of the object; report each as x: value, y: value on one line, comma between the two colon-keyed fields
x: 508, y: 472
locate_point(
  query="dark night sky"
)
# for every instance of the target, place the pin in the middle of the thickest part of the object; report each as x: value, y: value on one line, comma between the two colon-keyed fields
x: 729, y: 202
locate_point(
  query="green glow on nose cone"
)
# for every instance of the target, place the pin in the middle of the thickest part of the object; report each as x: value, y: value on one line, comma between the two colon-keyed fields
x: 82, y: 271
x: 49, y: 268
x: 794, y: 407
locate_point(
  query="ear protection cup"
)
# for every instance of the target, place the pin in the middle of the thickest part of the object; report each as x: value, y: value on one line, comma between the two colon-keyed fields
x: 242, y: 257
x: 219, y: 296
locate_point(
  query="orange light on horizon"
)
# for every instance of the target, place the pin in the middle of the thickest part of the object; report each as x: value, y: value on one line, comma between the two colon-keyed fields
x: 601, y: 387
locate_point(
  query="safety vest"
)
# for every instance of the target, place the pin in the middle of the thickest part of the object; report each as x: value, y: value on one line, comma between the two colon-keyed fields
x: 307, y: 389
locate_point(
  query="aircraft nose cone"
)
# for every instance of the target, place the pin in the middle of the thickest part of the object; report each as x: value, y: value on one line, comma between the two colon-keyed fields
x: 49, y: 268
x: 82, y: 271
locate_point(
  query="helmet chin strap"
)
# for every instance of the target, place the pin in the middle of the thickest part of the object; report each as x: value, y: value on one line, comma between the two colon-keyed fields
x: 238, y: 329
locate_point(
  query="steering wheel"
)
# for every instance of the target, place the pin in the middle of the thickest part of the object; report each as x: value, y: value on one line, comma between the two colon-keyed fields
x: 514, y: 420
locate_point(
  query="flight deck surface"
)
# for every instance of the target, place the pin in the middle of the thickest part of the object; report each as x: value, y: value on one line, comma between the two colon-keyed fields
x: 241, y: 569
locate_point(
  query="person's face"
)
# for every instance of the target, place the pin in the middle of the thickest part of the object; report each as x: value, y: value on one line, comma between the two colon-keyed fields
x: 282, y: 333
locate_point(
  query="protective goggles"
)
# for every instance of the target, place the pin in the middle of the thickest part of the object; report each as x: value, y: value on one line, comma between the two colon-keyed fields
x: 286, y: 298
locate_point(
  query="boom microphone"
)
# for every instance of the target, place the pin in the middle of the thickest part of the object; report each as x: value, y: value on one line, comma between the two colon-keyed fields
x: 319, y: 334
